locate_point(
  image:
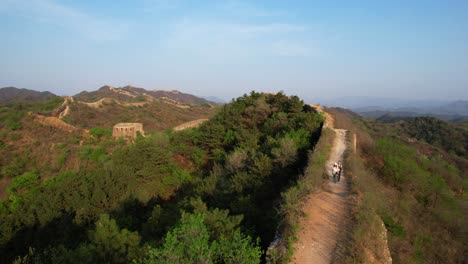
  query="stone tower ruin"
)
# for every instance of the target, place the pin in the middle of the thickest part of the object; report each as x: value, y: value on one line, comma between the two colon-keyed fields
x: 127, y: 130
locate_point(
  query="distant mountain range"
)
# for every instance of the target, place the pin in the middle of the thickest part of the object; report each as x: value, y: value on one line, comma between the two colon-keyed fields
x: 125, y: 94
x: 453, y: 108
x: 15, y: 95
x: 356, y: 102
x: 215, y: 99
x: 376, y: 107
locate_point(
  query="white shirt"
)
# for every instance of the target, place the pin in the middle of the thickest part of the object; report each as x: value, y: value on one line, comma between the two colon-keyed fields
x: 335, y: 170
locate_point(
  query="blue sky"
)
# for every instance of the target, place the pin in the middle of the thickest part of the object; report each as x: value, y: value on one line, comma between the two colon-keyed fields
x: 315, y: 49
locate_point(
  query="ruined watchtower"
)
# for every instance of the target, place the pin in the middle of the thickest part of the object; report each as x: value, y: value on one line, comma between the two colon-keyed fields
x: 127, y: 130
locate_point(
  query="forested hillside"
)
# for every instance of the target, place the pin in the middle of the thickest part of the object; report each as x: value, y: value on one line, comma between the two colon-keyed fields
x: 62, y: 134
x: 449, y: 136
x: 207, y: 195
x: 412, y: 178
x: 444, y: 135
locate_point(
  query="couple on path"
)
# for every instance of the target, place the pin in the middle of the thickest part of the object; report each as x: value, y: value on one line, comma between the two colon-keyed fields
x: 336, y: 171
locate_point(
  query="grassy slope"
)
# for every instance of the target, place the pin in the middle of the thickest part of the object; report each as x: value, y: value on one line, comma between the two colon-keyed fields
x: 415, y: 188
x: 155, y: 116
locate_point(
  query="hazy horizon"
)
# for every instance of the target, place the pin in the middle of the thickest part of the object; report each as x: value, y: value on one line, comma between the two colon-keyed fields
x: 413, y: 51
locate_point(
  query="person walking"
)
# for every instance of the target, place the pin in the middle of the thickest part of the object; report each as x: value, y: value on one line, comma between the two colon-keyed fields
x: 340, y: 169
x: 335, y: 172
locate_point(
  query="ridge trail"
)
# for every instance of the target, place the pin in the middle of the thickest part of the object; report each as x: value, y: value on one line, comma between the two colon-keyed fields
x: 327, y: 214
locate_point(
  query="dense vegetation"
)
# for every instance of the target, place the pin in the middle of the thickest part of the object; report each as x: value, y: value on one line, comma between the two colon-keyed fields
x: 449, y: 136
x: 438, y: 133
x: 416, y: 190
x: 26, y: 144
x: 209, y: 194
x: 20, y: 147
x: 29, y: 146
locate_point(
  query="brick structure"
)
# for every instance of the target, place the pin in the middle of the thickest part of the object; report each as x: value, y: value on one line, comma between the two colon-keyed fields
x: 127, y: 130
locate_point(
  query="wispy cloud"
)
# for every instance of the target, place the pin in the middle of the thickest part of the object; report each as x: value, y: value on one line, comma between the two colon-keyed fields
x: 237, y: 29
x: 246, y: 9
x: 60, y: 15
x: 157, y: 6
x: 271, y: 28
x: 225, y: 39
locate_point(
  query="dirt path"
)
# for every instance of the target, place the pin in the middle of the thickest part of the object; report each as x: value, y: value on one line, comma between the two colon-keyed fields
x: 327, y: 213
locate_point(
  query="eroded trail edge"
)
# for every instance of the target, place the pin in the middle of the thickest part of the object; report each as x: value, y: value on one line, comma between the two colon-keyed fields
x: 327, y: 215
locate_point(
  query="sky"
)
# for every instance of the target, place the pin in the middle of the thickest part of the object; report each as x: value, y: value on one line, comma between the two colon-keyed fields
x: 313, y: 49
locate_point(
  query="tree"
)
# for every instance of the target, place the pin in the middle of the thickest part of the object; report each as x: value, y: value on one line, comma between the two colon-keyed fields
x: 190, y: 242
x: 23, y: 182
x: 111, y: 244
x: 187, y: 243
x: 286, y: 153
x: 100, y: 132
x: 238, y: 249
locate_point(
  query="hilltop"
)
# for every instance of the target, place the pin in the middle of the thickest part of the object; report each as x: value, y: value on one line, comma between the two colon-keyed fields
x: 135, y: 94
x: 156, y: 109
x: 9, y: 95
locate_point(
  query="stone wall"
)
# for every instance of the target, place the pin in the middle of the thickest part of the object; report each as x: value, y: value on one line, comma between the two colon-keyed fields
x: 127, y: 130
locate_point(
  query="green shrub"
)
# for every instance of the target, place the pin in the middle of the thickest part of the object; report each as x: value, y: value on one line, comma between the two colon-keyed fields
x: 15, y: 167
x: 75, y: 140
x: 86, y: 152
x: 286, y: 153
x: 12, y: 120
x: 392, y: 226
x: 178, y: 178
x: 68, y: 120
x: 15, y: 136
x: 61, y: 145
x: 399, y: 161
x: 23, y: 182
x: 190, y: 242
x: 63, y: 157
x: 50, y: 105
x: 100, y: 132
x: 111, y: 244
x: 98, y: 154
x: 140, y: 98
x: 198, y: 156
